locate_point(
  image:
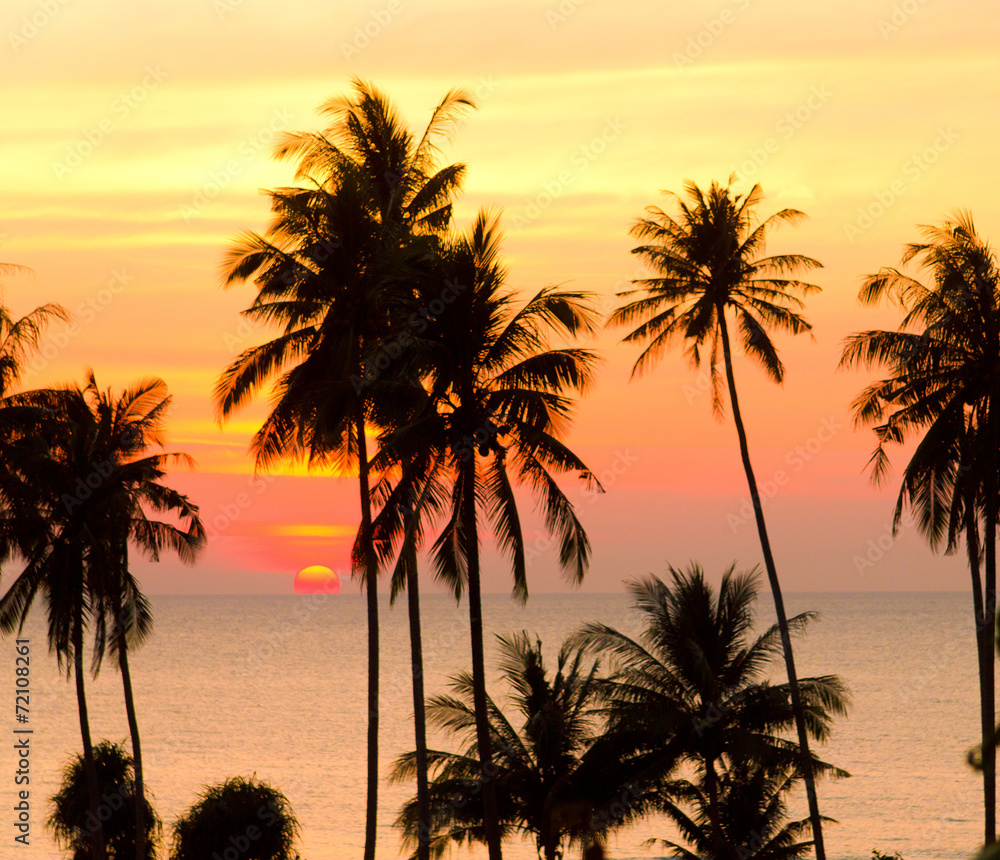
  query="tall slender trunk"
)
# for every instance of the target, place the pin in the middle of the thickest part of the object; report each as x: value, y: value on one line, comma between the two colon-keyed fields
x: 491, y: 812
x: 419, y: 716
x: 89, y: 764
x: 719, y: 847
x: 133, y: 728
x: 779, y: 603
x: 988, y: 706
x: 371, y: 585
x: 984, y: 647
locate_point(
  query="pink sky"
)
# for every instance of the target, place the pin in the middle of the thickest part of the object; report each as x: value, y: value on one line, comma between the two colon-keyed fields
x: 137, y: 137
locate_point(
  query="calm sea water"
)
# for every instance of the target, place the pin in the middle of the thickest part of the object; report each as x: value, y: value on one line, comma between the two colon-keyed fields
x: 277, y: 686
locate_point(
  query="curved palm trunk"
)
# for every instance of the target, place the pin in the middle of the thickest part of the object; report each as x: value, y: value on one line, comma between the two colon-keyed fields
x: 984, y: 648
x: 491, y: 813
x: 89, y: 765
x: 133, y: 728
x: 779, y: 603
x: 419, y: 716
x: 371, y: 592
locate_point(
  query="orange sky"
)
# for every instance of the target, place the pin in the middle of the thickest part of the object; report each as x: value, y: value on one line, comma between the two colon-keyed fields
x: 137, y: 137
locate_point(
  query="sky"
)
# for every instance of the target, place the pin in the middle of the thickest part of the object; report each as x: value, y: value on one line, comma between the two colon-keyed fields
x: 136, y: 142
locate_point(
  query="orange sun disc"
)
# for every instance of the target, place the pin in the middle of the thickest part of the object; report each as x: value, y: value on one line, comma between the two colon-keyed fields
x: 317, y: 579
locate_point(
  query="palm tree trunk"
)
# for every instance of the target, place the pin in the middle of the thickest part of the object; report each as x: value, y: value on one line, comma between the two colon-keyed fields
x: 779, y: 603
x: 987, y: 705
x: 133, y: 728
x: 984, y: 647
x: 719, y: 847
x: 89, y: 765
x: 371, y: 586
x: 491, y: 812
x: 419, y: 717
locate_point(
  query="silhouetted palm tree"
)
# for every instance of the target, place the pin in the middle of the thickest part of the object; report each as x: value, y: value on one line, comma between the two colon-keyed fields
x: 944, y: 367
x: 20, y: 337
x: 556, y: 776
x: 71, y: 807
x: 329, y: 272
x: 72, y: 507
x: 751, y: 803
x: 225, y: 818
x: 44, y: 523
x: 707, y: 265
x: 125, y: 428
x: 395, y: 516
x: 693, y: 688
x: 499, y: 397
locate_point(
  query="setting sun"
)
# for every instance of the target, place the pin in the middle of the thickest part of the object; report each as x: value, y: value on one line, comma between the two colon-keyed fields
x: 317, y: 579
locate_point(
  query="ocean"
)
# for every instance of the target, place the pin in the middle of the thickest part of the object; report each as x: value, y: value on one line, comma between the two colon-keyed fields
x: 276, y: 686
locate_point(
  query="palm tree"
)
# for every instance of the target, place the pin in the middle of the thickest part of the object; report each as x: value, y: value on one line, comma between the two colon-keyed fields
x: 329, y: 272
x: 71, y: 807
x: 556, y: 775
x: 693, y: 688
x: 943, y: 364
x: 752, y: 810
x: 397, y: 515
x: 226, y: 816
x: 71, y: 510
x: 41, y: 521
x: 498, y: 401
x: 20, y: 337
x: 707, y: 264
x: 125, y: 427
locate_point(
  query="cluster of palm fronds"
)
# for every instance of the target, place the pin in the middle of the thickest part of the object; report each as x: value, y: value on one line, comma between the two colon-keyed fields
x: 687, y: 724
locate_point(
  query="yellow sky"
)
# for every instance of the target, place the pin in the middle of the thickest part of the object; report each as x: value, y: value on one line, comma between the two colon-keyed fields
x: 137, y: 136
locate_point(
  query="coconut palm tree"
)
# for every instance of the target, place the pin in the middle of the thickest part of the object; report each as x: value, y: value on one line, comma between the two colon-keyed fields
x: 556, y: 776
x: 19, y: 337
x: 71, y: 806
x: 707, y: 267
x: 72, y: 508
x: 43, y: 522
x: 692, y: 688
x: 499, y: 404
x: 752, y: 811
x: 329, y: 272
x: 943, y: 366
x: 226, y: 816
x: 125, y: 428
x: 395, y: 516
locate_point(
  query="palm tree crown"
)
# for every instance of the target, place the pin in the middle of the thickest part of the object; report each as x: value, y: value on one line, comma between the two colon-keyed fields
x: 557, y: 777
x: 693, y: 688
x: 335, y: 264
x: 706, y: 263
x: 944, y: 367
x: 707, y: 266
